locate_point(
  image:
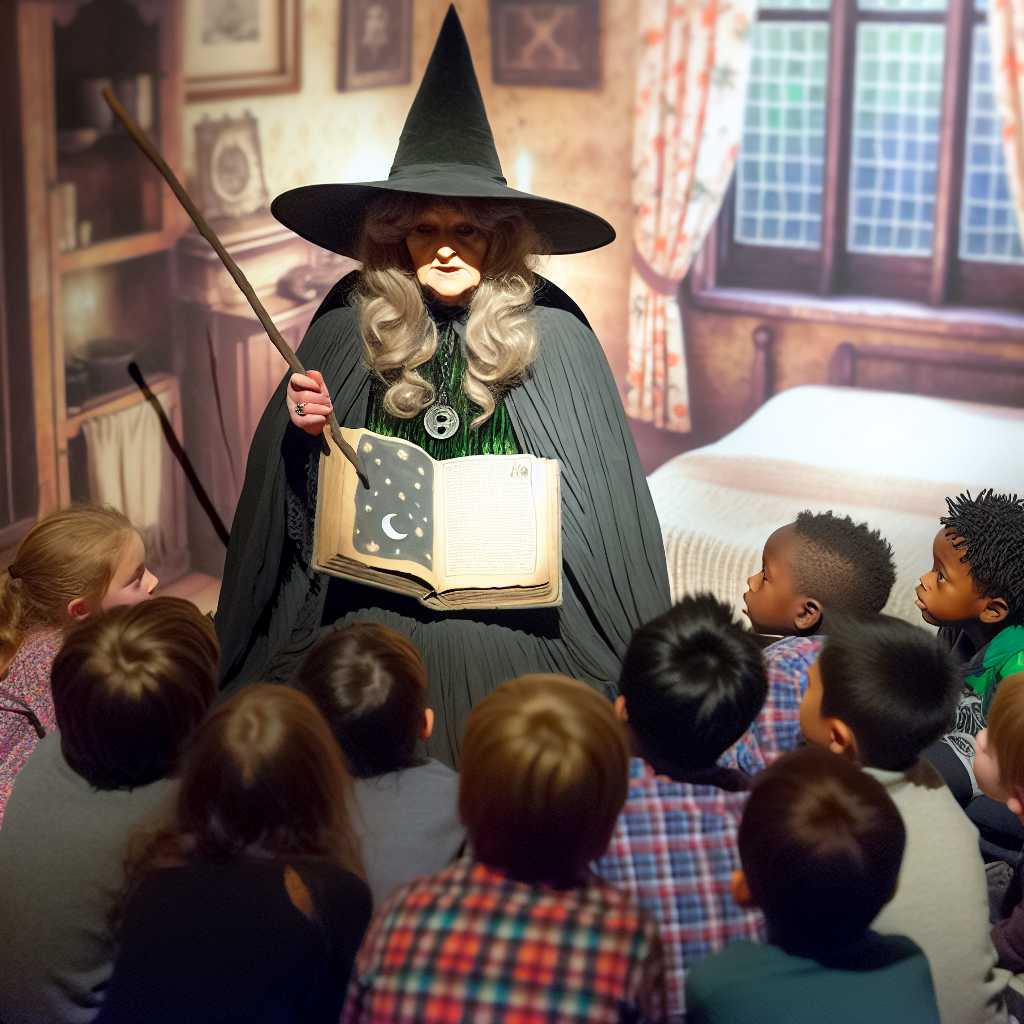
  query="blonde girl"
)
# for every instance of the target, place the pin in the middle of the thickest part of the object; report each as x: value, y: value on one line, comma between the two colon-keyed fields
x: 73, y: 563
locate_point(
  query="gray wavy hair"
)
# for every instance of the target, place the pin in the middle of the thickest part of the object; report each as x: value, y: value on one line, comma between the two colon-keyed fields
x: 399, y: 336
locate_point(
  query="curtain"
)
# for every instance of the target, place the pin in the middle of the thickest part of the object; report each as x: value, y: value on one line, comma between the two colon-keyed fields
x: 691, y: 87
x: 126, y: 468
x: 1006, y: 31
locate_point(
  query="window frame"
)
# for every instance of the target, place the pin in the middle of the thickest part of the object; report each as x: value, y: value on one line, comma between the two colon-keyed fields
x: 943, y: 278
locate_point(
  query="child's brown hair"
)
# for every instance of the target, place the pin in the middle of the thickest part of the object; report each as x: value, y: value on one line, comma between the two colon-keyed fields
x: 1006, y: 730
x: 543, y: 776
x: 70, y: 554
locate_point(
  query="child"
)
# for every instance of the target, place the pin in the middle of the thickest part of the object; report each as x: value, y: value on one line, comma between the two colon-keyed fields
x: 692, y: 681
x: 819, y: 561
x: 879, y: 693
x: 129, y: 688
x: 821, y: 844
x: 999, y: 768
x: 522, y: 931
x: 248, y: 907
x: 976, y: 591
x: 71, y: 564
x: 370, y: 684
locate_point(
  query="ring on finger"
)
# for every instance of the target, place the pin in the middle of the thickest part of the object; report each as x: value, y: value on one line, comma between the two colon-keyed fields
x: 300, y: 408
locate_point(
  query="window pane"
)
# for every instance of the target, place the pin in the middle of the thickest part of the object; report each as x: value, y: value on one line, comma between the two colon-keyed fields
x: 901, y: 5
x: 779, y: 173
x: 794, y: 5
x: 988, y: 224
x: 897, y: 104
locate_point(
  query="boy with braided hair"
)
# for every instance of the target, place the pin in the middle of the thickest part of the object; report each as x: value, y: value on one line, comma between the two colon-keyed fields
x: 975, y: 593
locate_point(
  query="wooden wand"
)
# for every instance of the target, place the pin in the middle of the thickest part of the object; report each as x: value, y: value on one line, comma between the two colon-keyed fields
x: 210, y: 235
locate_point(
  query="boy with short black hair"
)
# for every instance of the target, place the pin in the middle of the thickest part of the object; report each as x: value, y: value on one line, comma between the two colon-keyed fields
x: 820, y: 561
x: 879, y: 693
x: 975, y: 592
x: 692, y: 681
x: 522, y: 930
x: 821, y: 844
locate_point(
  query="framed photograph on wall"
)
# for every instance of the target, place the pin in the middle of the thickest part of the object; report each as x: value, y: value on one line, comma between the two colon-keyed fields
x: 546, y: 43
x: 376, y: 44
x: 229, y: 166
x: 241, y: 48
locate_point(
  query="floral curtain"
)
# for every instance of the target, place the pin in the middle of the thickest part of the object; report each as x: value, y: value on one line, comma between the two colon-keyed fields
x: 691, y: 87
x: 1006, y: 31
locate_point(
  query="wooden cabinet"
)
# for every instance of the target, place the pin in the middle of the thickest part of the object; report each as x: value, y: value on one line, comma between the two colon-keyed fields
x: 88, y: 224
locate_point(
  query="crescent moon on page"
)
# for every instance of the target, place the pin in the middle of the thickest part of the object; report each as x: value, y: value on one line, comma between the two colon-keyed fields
x: 390, y: 530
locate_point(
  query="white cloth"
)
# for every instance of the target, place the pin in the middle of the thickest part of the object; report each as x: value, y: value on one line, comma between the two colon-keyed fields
x: 126, y: 467
x: 941, y: 899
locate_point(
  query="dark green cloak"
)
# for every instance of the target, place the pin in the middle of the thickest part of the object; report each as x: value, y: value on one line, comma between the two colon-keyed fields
x: 614, y: 574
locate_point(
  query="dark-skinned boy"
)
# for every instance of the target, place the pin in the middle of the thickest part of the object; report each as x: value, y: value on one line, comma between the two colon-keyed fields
x: 975, y: 593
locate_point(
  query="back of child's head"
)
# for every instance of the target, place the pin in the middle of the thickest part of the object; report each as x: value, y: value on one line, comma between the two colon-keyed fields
x: 543, y: 773
x: 989, y: 533
x: 370, y: 684
x: 821, y: 844
x: 263, y: 776
x: 693, y: 681
x: 70, y: 554
x: 129, y: 688
x: 842, y: 564
x: 894, y: 685
x: 1006, y: 730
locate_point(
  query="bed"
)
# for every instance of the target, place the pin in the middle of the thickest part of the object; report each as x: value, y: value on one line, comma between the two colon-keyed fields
x: 883, y: 458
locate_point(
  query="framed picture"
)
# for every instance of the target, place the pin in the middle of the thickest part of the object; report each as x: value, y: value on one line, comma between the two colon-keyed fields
x: 241, y: 48
x: 546, y: 43
x: 376, y: 44
x: 229, y: 166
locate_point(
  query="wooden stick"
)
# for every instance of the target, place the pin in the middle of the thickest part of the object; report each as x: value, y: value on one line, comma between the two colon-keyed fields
x: 210, y: 235
x: 179, y: 453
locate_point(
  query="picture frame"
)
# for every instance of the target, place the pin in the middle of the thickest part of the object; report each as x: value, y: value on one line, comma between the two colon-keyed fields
x: 229, y: 166
x: 239, y: 48
x: 375, y: 50
x: 546, y: 43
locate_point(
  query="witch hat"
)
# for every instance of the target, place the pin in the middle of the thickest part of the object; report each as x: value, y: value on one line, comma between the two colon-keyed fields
x: 446, y: 149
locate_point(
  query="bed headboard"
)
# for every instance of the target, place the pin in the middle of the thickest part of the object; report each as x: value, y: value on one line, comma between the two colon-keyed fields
x: 968, y: 376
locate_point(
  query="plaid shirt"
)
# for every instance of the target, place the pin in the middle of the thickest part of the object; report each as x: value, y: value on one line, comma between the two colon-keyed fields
x: 471, y: 944
x: 674, y: 849
x: 777, y: 727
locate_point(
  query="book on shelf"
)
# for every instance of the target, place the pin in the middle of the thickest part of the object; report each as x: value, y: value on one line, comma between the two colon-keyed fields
x: 483, y: 531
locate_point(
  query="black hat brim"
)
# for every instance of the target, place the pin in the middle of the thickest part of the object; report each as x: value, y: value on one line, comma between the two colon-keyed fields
x: 332, y: 215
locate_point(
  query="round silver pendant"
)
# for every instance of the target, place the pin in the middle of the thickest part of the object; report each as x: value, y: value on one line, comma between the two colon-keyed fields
x: 441, y: 421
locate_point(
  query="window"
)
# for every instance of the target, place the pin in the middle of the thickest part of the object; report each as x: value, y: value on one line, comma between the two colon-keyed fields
x: 871, y: 160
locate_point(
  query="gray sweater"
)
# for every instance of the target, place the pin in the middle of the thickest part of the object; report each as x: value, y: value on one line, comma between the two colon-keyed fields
x: 409, y: 825
x: 62, y: 850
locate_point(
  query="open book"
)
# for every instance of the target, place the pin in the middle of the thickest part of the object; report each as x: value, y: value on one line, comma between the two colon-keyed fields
x: 483, y: 531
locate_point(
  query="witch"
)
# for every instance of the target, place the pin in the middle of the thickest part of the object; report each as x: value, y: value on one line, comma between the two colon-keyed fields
x: 446, y: 338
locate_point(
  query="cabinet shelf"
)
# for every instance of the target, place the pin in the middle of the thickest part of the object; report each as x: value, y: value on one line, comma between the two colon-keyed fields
x: 114, y: 250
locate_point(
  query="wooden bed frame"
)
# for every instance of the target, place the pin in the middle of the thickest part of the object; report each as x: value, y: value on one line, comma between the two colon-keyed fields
x: 939, y: 373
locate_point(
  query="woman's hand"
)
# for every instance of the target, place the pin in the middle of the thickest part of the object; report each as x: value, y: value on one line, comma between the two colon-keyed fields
x: 309, y: 404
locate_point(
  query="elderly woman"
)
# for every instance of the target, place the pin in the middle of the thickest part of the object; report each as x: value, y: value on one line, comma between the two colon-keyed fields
x: 448, y: 339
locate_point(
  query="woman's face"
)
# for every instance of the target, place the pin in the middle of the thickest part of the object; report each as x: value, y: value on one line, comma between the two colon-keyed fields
x: 448, y: 253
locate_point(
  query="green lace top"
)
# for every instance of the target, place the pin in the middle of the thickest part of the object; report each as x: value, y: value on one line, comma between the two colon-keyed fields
x: 493, y: 437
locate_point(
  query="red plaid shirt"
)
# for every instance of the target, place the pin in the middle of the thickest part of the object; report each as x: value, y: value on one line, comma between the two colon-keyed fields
x: 471, y: 944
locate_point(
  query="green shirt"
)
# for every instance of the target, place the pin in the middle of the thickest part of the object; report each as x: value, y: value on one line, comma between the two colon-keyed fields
x: 493, y: 437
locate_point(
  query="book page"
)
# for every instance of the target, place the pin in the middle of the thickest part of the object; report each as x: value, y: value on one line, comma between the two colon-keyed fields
x: 490, y: 522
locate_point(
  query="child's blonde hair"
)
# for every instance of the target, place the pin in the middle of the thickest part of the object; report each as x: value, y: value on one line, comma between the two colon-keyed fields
x: 70, y: 554
x: 1006, y: 730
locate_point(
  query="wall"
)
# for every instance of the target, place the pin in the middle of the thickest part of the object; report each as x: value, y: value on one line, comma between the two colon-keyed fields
x: 579, y: 141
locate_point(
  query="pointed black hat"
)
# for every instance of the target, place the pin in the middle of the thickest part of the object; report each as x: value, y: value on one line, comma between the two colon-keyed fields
x: 446, y: 149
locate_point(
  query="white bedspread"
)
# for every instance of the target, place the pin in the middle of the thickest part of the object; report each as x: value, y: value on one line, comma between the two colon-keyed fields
x: 885, y: 459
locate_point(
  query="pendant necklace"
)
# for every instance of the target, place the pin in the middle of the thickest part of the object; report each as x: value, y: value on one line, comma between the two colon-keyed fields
x: 441, y: 420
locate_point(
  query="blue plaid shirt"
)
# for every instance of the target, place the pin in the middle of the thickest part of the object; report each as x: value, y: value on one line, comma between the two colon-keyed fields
x: 674, y: 849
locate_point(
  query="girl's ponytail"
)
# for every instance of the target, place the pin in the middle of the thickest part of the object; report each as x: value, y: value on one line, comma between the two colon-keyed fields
x: 12, y: 605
